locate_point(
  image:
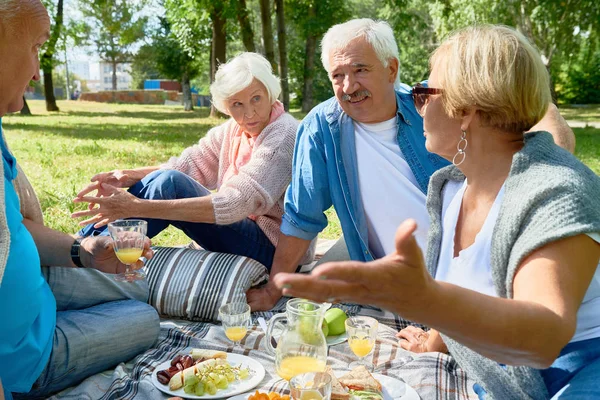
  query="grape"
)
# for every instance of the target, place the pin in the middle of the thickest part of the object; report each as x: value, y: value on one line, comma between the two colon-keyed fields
x: 230, y: 377
x: 223, y: 384
x: 199, y: 389
x: 244, y: 373
x: 189, y: 389
x: 211, y: 388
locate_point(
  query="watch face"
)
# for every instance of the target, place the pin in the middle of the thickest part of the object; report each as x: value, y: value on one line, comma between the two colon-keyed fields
x: 75, y: 248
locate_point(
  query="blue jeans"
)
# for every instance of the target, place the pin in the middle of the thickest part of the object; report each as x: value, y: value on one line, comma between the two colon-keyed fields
x: 99, y: 323
x: 243, y: 238
x: 575, y: 374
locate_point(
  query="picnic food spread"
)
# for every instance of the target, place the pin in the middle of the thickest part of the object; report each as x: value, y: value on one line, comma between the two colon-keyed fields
x: 205, y: 371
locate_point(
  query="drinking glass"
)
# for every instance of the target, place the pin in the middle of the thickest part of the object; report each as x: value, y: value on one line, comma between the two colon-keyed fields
x: 311, y: 386
x: 236, y: 320
x: 128, y: 241
x: 362, y: 332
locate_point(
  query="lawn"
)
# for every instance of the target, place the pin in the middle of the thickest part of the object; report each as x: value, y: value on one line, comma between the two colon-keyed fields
x: 585, y: 113
x: 61, y: 151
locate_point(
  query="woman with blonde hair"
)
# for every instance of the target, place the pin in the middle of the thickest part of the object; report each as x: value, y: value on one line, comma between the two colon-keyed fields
x: 510, y: 285
x: 247, y: 160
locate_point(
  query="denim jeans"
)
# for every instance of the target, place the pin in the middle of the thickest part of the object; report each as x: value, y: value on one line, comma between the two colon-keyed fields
x: 243, y: 238
x: 575, y: 374
x: 99, y: 323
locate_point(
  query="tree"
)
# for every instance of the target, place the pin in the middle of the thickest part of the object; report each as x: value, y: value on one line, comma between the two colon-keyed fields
x: 282, y: 43
x: 267, y: 28
x: 25, y: 110
x: 47, y: 60
x: 245, y: 27
x: 114, y: 25
x: 143, y: 66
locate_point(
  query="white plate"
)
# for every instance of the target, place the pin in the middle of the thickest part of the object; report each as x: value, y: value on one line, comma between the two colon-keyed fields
x: 393, y: 389
x: 333, y: 340
x: 257, y: 373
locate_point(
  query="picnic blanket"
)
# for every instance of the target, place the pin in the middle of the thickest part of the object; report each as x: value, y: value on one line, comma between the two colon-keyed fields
x: 432, y: 375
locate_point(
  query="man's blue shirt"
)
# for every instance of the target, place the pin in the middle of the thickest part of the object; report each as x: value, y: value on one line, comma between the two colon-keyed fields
x: 28, y: 307
x: 324, y: 171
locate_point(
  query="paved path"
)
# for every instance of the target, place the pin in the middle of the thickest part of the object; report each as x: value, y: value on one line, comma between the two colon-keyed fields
x: 583, y: 124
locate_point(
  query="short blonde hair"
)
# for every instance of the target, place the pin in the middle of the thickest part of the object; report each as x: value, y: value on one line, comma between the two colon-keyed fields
x: 378, y: 34
x: 496, y: 69
x: 238, y: 74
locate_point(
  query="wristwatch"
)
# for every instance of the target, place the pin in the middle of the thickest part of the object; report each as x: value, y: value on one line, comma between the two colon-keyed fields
x: 75, y: 253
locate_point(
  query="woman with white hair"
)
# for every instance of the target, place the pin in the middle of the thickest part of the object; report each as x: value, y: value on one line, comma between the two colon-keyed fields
x: 247, y: 160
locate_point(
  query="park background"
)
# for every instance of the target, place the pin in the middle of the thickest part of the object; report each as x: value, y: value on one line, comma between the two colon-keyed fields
x: 63, y: 143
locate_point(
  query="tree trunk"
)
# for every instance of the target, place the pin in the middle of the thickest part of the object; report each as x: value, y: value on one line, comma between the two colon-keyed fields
x: 219, y: 45
x: 47, y: 61
x: 49, y: 89
x: 282, y: 42
x: 245, y: 27
x: 188, y: 104
x: 25, y: 110
x: 114, y: 74
x: 267, y: 28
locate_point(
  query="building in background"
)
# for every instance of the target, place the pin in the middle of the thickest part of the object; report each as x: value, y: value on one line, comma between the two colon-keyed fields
x: 81, y: 69
x: 123, y: 76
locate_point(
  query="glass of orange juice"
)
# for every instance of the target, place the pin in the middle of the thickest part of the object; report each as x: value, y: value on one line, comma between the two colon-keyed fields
x: 311, y: 386
x: 128, y: 237
x: 236, y: 320
x: 362, y: 332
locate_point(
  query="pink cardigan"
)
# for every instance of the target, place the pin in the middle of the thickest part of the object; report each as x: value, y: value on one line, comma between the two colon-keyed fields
x: 259, y: 187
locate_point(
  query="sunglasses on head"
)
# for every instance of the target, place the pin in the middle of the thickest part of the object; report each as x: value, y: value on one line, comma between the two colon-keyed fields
x: 420, y: 95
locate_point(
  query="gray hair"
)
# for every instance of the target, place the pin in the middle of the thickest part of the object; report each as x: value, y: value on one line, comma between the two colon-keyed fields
x: 238, y: 74
x: 378, y: 34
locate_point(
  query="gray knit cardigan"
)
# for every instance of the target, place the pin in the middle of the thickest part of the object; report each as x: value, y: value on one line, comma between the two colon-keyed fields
x: 549, y: 195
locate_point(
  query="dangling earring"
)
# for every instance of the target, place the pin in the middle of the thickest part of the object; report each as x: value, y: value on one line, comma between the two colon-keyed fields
x: 461, y: 147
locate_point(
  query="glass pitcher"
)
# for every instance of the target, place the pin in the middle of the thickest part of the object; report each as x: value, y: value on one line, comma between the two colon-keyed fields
x: 302, y: 347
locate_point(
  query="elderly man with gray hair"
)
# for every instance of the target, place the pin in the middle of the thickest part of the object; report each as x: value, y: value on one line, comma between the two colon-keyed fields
x: 362, y: 151
x: 70, y: 319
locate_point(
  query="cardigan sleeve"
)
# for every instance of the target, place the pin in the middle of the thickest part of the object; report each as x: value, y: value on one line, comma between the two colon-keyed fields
x: 201, y: 161
x: 260, y: 183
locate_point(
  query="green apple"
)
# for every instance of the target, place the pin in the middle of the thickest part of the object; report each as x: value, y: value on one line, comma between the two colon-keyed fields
x: 325, y: 328
x: 336, y: 321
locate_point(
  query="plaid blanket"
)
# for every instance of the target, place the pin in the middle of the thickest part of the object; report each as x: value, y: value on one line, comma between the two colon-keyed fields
x: 432, y: 375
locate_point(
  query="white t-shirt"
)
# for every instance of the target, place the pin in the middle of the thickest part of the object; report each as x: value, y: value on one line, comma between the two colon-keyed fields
x: 388, y: 188
x: 472, y: 269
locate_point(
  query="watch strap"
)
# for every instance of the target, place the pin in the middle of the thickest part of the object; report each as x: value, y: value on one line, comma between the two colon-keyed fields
x: 76, y: 253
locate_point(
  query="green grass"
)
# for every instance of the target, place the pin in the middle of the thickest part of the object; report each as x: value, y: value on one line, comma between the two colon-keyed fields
x: 586, y: 113
x: 61, y: 151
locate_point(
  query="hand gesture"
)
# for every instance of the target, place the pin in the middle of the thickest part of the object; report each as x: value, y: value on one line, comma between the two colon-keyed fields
x: 113, y: 204
x: 97, y: 252
x: 398, y: 282
x: 413, y: 339
x: 117, y: 178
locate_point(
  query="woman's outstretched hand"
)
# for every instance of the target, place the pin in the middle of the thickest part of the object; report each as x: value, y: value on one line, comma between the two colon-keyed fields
x: 398, y: 282
x: 112, y: 204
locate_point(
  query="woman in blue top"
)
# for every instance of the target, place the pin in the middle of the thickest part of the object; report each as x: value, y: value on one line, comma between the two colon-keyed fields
x: 59, y: 325
x: 510, y: 285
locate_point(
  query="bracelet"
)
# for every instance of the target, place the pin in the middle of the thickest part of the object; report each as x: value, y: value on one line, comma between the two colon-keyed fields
x: 76, y: 253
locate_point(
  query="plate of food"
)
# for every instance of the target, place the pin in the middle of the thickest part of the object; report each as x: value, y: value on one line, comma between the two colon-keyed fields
x: 360, y: 384
x: 208, y: 374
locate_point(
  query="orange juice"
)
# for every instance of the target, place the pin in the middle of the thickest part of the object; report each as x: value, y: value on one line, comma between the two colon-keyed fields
x: 361, y: 346
x: 128, y: 256
x: 310, y: 395
x: 236, y: 333
x: 292, y: 366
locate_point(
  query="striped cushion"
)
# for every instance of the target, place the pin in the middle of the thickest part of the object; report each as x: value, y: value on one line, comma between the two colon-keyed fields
x: 193, y: 284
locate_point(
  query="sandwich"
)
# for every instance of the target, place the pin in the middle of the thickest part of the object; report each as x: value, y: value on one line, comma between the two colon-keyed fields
x: 362, y: 385
x: 338, y: 392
